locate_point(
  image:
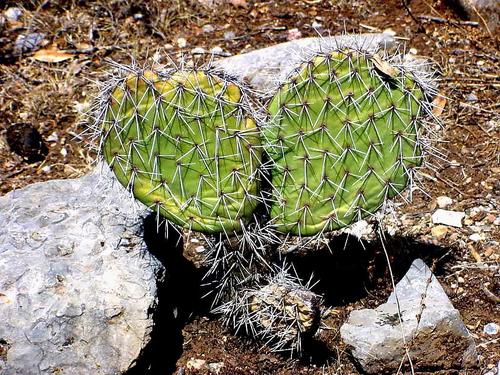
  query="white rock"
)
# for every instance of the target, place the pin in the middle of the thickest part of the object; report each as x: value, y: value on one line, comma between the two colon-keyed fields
x: 13, y: 13
x: 198, y: 51
x: 443, y: 201
x: 216, y: 50
x: 196, y: 364
x: 491, y: 329
x: 446, y: 217
x: 78, y: 278
x: 476, y: 237
x: 181, y: 42
x: 208, y: 28
x: 421, y: 315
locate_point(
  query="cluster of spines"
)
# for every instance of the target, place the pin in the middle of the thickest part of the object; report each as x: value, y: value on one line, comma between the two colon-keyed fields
x: 277, y: 309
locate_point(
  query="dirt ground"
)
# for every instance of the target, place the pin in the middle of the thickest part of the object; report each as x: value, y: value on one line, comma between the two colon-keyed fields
x: 48, y: 97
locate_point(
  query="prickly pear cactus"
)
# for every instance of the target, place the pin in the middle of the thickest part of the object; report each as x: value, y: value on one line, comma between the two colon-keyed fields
x: 343, y: 136
x: 186, y: 146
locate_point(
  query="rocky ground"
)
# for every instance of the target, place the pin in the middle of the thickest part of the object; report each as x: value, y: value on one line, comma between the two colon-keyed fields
x: 52, y: 51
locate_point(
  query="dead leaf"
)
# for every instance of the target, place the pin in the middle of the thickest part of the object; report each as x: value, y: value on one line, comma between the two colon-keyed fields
x: 52, y: 55
x: 438, y: 105
x: 384, y: 67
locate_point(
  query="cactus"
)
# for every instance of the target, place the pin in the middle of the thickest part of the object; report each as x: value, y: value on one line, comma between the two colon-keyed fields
x: 185, y: 143
x: 278, y: 309
x: 343, y: 136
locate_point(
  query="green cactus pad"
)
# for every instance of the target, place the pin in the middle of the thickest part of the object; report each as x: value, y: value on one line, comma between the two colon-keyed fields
x: 343, y: 135
x: 185, y: 146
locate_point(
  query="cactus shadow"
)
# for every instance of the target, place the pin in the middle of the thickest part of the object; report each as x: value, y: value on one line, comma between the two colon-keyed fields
x: 354, y: 269
x: 178, y: 299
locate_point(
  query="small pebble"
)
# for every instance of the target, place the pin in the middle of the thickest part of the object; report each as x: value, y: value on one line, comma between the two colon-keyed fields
x: 443, y: 201
x: 293, y: 34
x: 64, y: 152
x: 475, y: 237
x: 471, y: 97
x: 491, y: 329
x: 46, y: 169
x: 451, y: 218
x: 228, y: 35
x: 216, y: 50
x: 316, y: 25
x: 28, y: 42
x: 198, y: 51
x: 53, y: 137
x: 208, y: 28
x: 181, y: 42
x: 13, y: 14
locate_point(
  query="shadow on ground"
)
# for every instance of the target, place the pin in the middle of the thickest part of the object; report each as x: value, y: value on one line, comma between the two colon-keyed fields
x: 351, y: 271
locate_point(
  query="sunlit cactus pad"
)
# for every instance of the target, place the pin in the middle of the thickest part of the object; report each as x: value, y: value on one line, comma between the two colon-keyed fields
x: 186, y: 146
x: 343, y: 135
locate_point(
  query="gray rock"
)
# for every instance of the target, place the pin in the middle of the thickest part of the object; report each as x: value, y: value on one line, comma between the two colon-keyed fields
x: 429, y: 326
x: 264, y: 67
x: 447, y: 217
x: 77, y: 285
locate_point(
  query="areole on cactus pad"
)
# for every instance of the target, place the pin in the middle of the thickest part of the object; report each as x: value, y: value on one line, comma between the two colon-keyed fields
x: 343, y: 136
x: 186, y: 146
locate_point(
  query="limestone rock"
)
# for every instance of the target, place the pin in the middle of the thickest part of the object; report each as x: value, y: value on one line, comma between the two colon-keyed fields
x: 429, y: 326
x: 264, y: 67
x: 77, y: 285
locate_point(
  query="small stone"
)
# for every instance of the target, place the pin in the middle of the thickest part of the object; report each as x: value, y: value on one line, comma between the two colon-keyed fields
x: 208, y: 28
x: 293, y: 34
x: 28, y: 42
x: 316, y: 25
x: 216, y: 50
x: 64, y: 152
x: 181, y: 42
x: 491, y: 329
x: 46, y: 169
x: 53, y: 137
x: 389, y: 31
x: 439, y: 231
x: 443, y: 201
x: 229, y: 35
x: 446, y: 217
x: 216, y: 367
x: 475, y: 237
x: 13, y: 14
x: 198, y: 51
x: 196, y: 364
x: 471, y: 97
